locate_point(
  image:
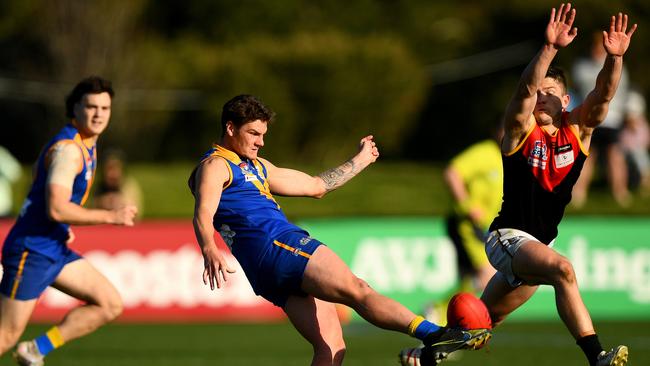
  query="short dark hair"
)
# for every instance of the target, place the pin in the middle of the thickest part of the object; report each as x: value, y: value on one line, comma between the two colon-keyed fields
x: 243, y: 109
x: 557, y: 74
x: 89, y: 85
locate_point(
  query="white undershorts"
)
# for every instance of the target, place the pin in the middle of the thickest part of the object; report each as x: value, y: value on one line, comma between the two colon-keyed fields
x: 501, y: 246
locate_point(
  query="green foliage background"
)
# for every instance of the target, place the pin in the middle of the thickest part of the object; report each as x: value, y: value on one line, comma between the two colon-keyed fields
x: 334, y: 71
x: 426, y: 78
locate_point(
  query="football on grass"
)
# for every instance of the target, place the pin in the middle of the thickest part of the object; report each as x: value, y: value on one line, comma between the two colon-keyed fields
x: 468, y: 311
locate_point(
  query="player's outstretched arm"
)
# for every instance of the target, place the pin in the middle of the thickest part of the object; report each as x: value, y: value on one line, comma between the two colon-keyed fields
x: 616, y: 42
x: 209, y: 179
x: 289, y: 182
x: 518, y: 117
x: 65, y: 162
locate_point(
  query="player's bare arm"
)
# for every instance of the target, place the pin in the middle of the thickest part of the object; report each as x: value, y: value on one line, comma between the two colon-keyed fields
x: 368, y: 154
x: 289, y: 182
x: 65, y: 163
x: 209, y: 179
x: 616, y: 42
x: 519, y: 112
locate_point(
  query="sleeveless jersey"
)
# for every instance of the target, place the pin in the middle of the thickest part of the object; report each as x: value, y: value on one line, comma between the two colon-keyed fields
x: 247, y: 213
x: 539, y: 175
x: 33, y: 228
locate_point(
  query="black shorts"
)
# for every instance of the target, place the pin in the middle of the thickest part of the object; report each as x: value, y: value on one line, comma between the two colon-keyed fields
x: 605, y: 137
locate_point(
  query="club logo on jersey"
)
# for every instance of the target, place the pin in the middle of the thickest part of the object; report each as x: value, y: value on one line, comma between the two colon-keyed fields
x: 245, y: 168
x: 538, y: 155
x: 564, y: 156
x: 305, y: 240
x: 248, y: 173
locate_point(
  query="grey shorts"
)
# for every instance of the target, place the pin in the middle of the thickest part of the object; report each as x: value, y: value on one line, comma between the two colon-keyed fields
x: 501, y: 246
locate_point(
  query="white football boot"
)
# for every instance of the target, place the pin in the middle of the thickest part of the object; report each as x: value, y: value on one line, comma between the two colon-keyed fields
x: 27, y: 354
x: 434, y: 351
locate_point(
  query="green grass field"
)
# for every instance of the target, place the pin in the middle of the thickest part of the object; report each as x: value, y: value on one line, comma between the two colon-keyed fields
x: 539, y: 344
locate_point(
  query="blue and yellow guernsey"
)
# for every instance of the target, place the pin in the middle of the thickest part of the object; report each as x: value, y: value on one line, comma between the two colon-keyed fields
x: 34, y: 230
x: 248, y: 217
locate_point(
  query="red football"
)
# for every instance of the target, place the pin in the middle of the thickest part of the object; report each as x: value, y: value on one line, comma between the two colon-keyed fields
x: 467, y: 311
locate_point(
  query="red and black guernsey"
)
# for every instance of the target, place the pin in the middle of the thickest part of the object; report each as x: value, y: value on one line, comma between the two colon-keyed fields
x: 538, y: 176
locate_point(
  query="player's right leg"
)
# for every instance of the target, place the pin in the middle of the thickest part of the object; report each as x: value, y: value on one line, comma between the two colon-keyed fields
x: 318, y: 322
x: 537, y: 263
x: 25, y: 276
x: 14, y: 315
x: 327, y: 277
x: 81, y: 280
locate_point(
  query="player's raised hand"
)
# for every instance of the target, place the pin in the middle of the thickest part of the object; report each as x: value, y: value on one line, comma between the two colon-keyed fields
x: 125, y: 215
x: 617, y: 40
x: 216, y: 268
x: 560, y: 30
x: 368, y: 149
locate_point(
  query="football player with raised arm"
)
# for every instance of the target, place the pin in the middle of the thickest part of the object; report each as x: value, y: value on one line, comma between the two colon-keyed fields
x: 234, y: 192
x: 544, y: 149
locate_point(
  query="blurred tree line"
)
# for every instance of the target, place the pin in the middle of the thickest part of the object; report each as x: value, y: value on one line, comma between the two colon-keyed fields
x: 425, y: 77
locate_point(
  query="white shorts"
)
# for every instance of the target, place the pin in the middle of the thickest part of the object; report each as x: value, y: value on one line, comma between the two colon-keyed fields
x: 501, y: 246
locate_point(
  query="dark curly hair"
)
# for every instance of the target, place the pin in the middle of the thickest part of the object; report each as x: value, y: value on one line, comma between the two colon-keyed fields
x: 89, y: 85
x: 243, y: 109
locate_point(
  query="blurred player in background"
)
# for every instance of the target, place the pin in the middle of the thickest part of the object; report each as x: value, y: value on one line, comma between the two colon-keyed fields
x: 35, y: 254
x: 234, y: 190
x: 544, y: 149
x: 475, y: 179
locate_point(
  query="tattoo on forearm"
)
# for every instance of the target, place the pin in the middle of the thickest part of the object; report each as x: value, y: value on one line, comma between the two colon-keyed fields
x: 338, y: 176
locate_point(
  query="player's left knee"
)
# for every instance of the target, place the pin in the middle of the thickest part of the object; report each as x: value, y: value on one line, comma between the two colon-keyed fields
x: 359, y: 290
x: 112, y: 308
x: 565, y: 271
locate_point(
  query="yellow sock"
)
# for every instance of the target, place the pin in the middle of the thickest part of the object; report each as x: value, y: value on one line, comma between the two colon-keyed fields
x: 49, y: 341
x: 413, y: 325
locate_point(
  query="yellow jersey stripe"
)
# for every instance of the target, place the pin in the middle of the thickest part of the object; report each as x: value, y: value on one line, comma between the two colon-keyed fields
x: 86, y: 157
x: 292, y: 249
x: 575, y: 130
x: 21, y: 267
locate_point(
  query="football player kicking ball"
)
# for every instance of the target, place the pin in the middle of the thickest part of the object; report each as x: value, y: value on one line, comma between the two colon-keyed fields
x: 544, y: 149
x: 234, y: 189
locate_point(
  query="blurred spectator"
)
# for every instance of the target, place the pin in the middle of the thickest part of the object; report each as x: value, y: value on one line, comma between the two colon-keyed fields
x: 635, y: 139
x: 116, y: 189
x: 9, y: 173
x: 605, y: 143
